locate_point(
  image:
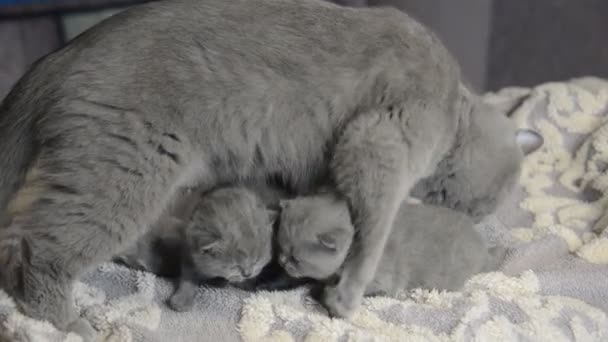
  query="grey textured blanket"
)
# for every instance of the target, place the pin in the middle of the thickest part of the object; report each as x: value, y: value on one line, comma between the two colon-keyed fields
x: 553, y: 286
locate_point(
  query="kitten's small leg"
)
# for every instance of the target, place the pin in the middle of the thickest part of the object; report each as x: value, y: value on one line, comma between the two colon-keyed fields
x: 183, y: 299
x: 370, y: 168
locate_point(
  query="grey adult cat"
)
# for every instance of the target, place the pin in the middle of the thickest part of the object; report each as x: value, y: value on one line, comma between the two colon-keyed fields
x: 98, y: 136
x: 429, y: 247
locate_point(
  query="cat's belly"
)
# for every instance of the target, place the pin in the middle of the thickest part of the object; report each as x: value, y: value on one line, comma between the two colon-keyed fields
x: 296, y: 154
x: 258, y: 144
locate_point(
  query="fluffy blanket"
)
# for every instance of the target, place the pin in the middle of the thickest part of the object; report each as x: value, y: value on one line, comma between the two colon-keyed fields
x: 552, y: 287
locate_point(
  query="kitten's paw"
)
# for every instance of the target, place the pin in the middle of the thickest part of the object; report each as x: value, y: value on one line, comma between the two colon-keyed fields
x: 181, y: 302
x: 341, y: 302
x: 83, y: 328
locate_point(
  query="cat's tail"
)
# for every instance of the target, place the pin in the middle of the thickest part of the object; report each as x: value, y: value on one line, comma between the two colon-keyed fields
x: 496, y: 257
x: 16, y: 146
x: 11, y: 261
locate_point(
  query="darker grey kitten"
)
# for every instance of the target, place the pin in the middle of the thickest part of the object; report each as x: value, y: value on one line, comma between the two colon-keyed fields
x: 222, y: 235
x: 98, y: 137
x: 429, y: 247
x: 229, y: 236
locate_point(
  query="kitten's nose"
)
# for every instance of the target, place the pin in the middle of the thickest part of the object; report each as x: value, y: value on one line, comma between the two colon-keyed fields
x: 247, y: 274
x: 282, y: 259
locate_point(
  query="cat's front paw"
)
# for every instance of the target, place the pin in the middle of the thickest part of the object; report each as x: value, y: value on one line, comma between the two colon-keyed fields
x: 83, y: 328
x: 341, y: 301
x: 181, y: 302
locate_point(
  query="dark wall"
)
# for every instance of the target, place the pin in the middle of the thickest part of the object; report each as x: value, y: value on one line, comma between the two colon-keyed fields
x: 463, y: 25
x: 535, y: 41
x: 497, y: 42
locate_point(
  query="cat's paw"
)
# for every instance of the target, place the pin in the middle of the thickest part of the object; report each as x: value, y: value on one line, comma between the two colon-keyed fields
x: 181, y: 302
x: 341, y: 302
x: 82, y: 328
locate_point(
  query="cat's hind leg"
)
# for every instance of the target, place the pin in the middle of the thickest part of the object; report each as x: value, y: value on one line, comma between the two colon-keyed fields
x: 372, y: 168
x: 76, y: 211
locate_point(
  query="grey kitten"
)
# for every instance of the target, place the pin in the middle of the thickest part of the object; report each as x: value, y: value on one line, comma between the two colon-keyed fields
x: 429, y: 247
x: 228, y: 235
x: 99, y: 136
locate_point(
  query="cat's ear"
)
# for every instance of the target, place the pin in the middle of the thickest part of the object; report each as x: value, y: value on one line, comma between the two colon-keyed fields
x: 528, y: 140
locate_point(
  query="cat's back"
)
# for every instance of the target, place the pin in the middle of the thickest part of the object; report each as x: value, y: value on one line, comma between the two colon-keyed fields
x: 234, y: 45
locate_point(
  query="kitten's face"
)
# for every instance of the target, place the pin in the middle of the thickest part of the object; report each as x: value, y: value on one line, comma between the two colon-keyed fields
x: 314, y: 236
x: 483, y: 169
x: 230, y: 235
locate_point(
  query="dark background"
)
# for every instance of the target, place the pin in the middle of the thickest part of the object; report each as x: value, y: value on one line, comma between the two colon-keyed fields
x: 498, y: 42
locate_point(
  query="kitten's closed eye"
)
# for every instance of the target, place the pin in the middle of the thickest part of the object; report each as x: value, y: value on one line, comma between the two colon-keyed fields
x: 328, y: 242
x: 209, y: 248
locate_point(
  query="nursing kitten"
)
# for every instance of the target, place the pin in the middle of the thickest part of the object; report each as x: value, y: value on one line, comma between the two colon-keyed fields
x: 429, y: 247
x: 228, y: 237
x: 98, y: 136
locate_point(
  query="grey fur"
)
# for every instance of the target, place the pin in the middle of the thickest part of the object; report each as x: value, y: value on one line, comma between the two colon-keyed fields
x: 471, y: 179
x: 429, y: 247
x: 159, y: 250
x: 209, y: 92
x: 229, y: 236
x: 225, y: 233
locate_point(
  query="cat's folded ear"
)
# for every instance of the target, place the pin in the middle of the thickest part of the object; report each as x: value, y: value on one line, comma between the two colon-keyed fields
x: 528, y: 140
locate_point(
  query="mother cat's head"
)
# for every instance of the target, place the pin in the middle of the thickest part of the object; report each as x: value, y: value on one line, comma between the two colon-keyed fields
x: 483, y: 166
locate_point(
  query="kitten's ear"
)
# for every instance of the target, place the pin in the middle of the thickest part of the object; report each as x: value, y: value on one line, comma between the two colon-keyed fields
x: 528, y: 140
